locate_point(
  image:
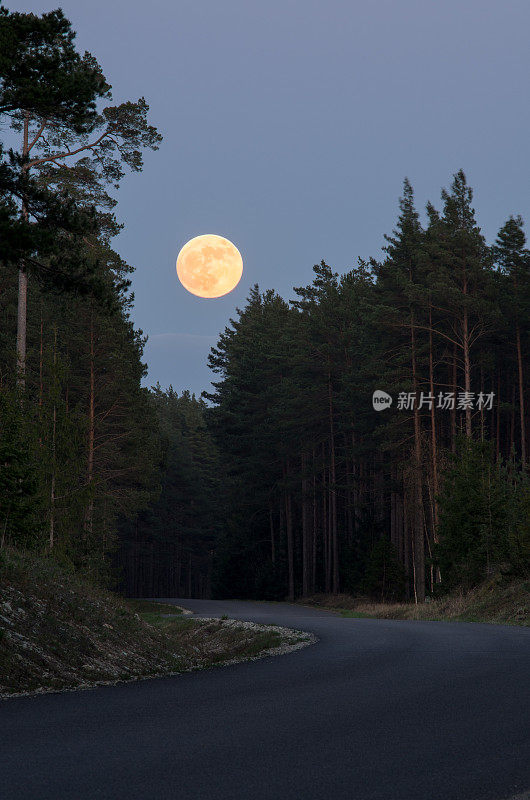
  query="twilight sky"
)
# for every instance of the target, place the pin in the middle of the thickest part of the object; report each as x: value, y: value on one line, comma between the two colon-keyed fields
x: 288, y: 128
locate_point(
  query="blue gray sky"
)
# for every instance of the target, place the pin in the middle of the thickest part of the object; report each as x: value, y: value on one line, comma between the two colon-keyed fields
x: 288, y: 128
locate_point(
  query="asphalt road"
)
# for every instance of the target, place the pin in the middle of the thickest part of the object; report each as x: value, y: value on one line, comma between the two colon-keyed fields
x: 376, y: 710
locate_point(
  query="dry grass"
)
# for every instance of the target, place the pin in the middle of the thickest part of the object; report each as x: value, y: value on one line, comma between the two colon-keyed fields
x: 59, y: 632
x: 493, y: 602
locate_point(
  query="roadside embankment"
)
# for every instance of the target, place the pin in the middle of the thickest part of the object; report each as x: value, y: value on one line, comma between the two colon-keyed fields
x: 59, y: 632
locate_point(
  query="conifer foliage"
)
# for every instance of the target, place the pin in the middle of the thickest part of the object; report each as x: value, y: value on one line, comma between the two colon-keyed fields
x: 79, y: 443
x: 330, y: 494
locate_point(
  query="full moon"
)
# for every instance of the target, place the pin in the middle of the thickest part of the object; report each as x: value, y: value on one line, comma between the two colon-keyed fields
x: 209, y: 266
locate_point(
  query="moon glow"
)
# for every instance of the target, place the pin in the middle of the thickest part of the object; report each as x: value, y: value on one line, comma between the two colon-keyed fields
x: 209, y: 266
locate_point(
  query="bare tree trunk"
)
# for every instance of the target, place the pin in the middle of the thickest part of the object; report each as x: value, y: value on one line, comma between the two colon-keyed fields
x: 482, y: 407
x: 431, y: 570
x: 305, y: 532
x: 356, y: 488
x: 498, y: 431
x: 521, y: 395
x: 54, y: 450
x: 325, y: 549
x: 314, y: 545
x: 414, y: 575
x: 453, y: 410
x: 179, y: 569
x: 282, y: 536
x: 289, y: 526
x: 418, y: 550
x: 89, y: 516
x: 41, y: 348
x: 333, y: 496
x: 512, y: 423
x: 22, y: 288
x: 271, y: 525
x: 329, y: 543
x: 434, y: 449
x: 393, y: 508
x: 467, y: 363
x: 290, y: 548
x: 407, y: 530
x: 151, y: 581
x: 349, y: 498
x: 399, y: 526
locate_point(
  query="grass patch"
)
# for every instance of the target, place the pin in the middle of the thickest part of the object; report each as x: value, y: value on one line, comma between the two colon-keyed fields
x: 142, y: 606
x: 493, y: 602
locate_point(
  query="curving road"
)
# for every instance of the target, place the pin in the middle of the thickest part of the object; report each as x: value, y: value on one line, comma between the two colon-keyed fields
x: 376, y: 710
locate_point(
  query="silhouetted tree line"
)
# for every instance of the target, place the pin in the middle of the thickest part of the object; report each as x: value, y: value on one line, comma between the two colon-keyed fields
x: 327, y: 493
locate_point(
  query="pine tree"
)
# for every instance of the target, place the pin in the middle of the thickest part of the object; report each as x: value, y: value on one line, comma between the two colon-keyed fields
x: 513, y: 259
x: 399, y: 297
x: 460, y: 278
x: 43, y: 79
x: 50, y: 94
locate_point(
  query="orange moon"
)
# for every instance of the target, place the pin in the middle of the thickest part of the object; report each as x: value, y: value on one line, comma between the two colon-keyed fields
x: 209, y: 266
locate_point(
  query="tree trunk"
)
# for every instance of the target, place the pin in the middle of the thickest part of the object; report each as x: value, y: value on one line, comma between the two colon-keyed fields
x: 482, y: 407
x: 418, y: 550
x: 329, y: 543
x: 305, y: 532
x: 392, y: 528
x: 333, y: 496
x: 314, y: 543
x: 453, y: 410
x: 271, y: 526
x: 54, y: 449
x: 521, y: 395
x: 512, y: 424
x: 289, y: 527
x: 498, y: 430
x: 407, y: 531
x: 434, y: 449
x: 41, y: 350
x: 467, y: 363
x: 325, y: 552
x: 22, y: 288
x: 399, y: 522
x: 89, y: 516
